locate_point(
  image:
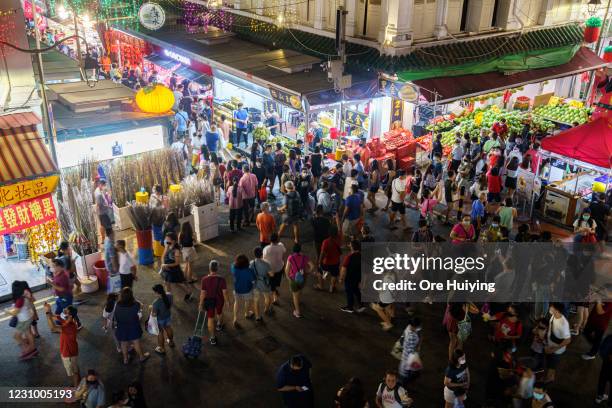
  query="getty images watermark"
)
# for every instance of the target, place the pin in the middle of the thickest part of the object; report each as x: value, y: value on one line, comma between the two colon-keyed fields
x: 478, y: 272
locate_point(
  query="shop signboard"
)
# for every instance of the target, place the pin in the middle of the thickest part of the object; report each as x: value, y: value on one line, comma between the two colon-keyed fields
x: 177, y: 57
x: 26, y: 214
x: 399, y: 90
x: 397, y: 110
x: 286, y: 98
x: 26, y: 190
x: 355, y: 118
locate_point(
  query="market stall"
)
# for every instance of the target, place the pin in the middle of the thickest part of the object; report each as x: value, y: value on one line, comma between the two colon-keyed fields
x: 28, y: 220
x: 580, y: 164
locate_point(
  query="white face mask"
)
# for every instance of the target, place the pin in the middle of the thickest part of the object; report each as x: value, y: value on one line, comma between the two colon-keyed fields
x: 461, y: 361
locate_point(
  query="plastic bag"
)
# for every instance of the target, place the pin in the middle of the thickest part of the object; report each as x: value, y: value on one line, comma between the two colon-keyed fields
x: 414, y: 362
x: 152, y: 326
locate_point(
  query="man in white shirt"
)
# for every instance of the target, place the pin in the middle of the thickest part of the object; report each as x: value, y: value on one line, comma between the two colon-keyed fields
x: 273, y: 254
x: 457, y: 155
x: 346, y: 165
x: 350, y: 180
x: 557, y: 340
x: 398, y: 193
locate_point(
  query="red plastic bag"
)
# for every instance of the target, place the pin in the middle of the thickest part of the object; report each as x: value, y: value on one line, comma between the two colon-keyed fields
x: 263, y: 194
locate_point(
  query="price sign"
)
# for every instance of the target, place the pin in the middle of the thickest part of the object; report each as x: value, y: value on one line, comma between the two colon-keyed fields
x: 26, y: 214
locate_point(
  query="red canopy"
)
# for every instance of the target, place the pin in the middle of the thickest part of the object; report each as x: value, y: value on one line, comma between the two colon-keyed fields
x: 590, y: 143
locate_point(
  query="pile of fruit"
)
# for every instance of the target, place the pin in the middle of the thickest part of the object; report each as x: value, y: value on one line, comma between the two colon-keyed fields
x: 484, y: 118
x: 261, y: 133
x: 563, y: 113
x: 396, y: 138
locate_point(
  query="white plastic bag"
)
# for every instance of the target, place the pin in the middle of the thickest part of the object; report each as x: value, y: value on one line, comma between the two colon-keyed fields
x: 152, y: 326
x: 414, y: 362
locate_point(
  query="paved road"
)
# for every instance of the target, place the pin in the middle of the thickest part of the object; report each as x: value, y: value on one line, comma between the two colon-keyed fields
x: 240, y: 371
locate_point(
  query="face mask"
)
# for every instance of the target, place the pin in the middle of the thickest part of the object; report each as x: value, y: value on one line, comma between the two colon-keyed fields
x: 494, y: 225
x: 461, y: 361
x: 538, y: 396
x: 466, y: 223
x: 94, y: 382
x: 586, y: 217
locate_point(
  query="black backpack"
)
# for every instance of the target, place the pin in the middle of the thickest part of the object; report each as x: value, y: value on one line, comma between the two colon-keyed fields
x: 294, y: 204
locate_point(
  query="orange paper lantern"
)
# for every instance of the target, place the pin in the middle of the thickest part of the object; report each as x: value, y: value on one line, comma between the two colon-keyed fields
x: 155, y: 99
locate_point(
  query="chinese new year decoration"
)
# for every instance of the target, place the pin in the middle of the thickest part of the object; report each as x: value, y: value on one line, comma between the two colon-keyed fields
x: 608, y: 54
x: 593, y: 27
x: 26, y: 214
x: 155, y: 99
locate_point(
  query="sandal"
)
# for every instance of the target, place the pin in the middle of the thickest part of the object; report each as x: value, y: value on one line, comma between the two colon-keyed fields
x: 159, y: 350
x: 145, y: 357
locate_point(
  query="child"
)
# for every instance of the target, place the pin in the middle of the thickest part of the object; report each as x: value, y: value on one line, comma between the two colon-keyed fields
x: 127, y: 266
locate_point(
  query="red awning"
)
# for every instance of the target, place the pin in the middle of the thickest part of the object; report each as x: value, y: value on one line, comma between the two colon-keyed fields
x: 589, y: 143
x: 23, y: 154
x: 452, y: 88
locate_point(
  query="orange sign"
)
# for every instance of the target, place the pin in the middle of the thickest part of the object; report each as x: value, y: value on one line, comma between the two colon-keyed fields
x: 26, y: 214
x: 26, y: 190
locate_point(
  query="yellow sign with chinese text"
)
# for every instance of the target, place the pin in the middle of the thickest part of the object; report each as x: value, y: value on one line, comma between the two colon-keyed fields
x: 26, y: 190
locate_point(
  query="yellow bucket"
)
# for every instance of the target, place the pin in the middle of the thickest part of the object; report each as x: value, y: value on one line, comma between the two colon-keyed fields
x: 142, y: 197
x: 174, y: 188
x: 158, y: 248
x: 340, y: 153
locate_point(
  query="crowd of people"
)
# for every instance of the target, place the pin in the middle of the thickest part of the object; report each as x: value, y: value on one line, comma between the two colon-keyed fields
x: 277, y: 192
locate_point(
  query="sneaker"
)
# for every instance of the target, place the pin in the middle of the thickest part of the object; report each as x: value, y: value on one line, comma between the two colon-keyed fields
x: 601, y: 398
x: 347, y: 310
x: 213, y: 341
x: 219, y: 327
x: 587, y: 356
x: 360, y: 309
x: 574, y: 332
x: 297, y: 315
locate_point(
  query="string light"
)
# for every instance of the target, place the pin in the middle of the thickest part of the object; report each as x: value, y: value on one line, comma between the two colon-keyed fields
x: 6, y: 13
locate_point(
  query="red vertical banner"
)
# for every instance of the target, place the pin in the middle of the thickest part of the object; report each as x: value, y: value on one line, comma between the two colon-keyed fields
x: 26, y: 214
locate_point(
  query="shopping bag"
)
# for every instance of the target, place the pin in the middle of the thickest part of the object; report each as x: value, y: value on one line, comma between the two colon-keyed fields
x: 263, y: 194
x: 114, y: 284
x: 414, y: 362
x: 152, y: 326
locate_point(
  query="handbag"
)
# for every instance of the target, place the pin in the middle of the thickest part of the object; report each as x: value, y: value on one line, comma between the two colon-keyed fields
x: 152, y: 325
x: 398, y: 348
x: 13, y: 322
x: 414, y: 362
x: 464, y: 328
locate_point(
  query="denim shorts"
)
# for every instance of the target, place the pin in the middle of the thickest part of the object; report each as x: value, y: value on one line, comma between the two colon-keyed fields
x: 163, y: 323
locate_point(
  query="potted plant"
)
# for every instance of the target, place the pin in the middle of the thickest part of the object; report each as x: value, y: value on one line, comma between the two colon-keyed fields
x: 200, y: 194
x: 141, y: 215
x: 593, y: 27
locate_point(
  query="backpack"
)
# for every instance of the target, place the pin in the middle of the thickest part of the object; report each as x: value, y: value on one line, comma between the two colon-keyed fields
x: 294, y: 204
x: 396, y: 394
x: 299, y: 276
x: 280, y: 159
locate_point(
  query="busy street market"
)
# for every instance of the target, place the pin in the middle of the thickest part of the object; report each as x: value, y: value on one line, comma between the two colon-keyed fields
x: 296, y: 203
